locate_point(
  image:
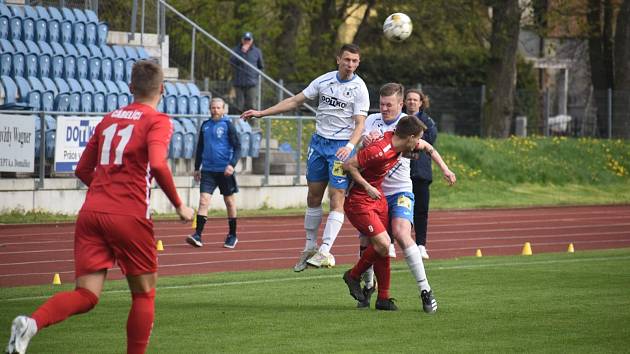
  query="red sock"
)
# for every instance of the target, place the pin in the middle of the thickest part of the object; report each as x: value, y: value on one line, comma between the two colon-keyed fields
x: 368, y: 258
x: 382, y: 271
x: 63, y: 305
x: 140, y: 321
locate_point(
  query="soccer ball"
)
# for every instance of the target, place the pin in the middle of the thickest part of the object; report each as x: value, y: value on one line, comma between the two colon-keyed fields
x: 397, y: 27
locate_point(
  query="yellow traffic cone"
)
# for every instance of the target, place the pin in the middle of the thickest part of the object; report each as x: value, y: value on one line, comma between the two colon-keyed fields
x: 160, y: 246
x: 527, y: 249
x: 478, y: 253
x: 570, y: 249
x: 56, y: 279
x: 194, y: 220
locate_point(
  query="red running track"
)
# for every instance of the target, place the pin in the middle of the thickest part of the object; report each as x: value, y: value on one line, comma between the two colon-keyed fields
x: 31, y: 254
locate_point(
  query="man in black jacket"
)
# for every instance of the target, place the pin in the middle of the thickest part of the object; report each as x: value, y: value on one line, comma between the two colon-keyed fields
x: 416, y: 102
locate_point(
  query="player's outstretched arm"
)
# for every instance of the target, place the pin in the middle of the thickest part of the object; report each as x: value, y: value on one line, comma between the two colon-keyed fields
x: 449, y: 176
x: 345, y: 151
x: 288, y: 104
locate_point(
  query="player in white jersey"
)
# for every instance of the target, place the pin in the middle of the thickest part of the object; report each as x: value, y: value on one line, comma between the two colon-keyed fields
x: 398, y: 189
x: 343, y: 103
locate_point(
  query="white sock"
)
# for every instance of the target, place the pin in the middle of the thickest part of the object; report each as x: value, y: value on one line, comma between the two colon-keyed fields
x: 333, y: 225
x: 368, y: 277
x: 312, y: 219
x: 414, y: 261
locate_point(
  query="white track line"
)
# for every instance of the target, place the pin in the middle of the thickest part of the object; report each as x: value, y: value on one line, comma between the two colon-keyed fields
x: 336, y: 275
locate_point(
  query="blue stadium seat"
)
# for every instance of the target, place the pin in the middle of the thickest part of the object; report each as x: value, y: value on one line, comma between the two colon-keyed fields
x: 98, y: 102
x: 10, y: 90
x: 193, y: 105
x: 32, y: 98
x: 123, y: 87
x: 38, y: 140
x: 106, y: 69
x: 50, y: 85
x: 244, y: 131
x: 82, y: 67
x: 64, y: 26
x: 69, y: 66
x: 45, y: 48
x: 182, y: 89
x: 204, y: 105
x: 65, y: 29
x: 91, y: 16
x: 142, y: 53
x: 170, y: 98
x: 57, y: 48
x: 101, y: 34
x: 131, y: 52
x: 44, y: 65
x: 70, y: 49
x: 107, y: 51
x: 4, y: 10
x: 91, y: 33
x: 67, y: 100
x: 78, y: 32
x: 28, y: 29
x: 94, y: 70
x: 119, y: 52
x: 176, y: 145
x: 123, y: 100
x: 56, y: 65
x: 85, y: 95
x: 110, y: 99
x: 79, y: 15
x: 42, y: 12
x: 118, y: 69
x: 15, y: 28
x: 6, y: 56
x: 54, y: 30
x: 111, y: 86
x: 83, y: 50
x: 99, y: 86
x: 190, y: 135
x: 41, y: 30
x: 4, y: 27
x: 31, y: 62
x: 16, y: 11
x: 67, y: 14
x: 17, y: 64
x: 160, y: 106
x: 94, y: 50
x: 193, y: 89
x: 128, y: 67
x: 30, y: 12
x: 47, y: 96
x: 124, y: 96
x: 182, y: 104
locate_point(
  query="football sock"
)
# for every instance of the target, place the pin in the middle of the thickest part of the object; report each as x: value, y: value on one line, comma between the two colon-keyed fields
x: 333, y: 225
x: 416, y: 265
x: 368, y: 275
x: 367, y: 259
x: 382, y: 271
x: 232, y: 225
x: 63, y: 305
x: 201, y: 222
x: 140, y: 321
x: 312, y: 219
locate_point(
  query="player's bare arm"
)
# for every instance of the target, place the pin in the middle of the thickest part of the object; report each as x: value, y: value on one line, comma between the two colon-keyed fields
x: 352, y: 167
x: 288, y: 104
x: 427, y: 148
x: 345, y: 151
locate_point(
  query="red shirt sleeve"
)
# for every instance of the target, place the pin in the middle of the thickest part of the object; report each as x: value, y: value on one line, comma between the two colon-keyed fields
x: 158, y: 137
x: 87, y: 163
x: 370, y: 156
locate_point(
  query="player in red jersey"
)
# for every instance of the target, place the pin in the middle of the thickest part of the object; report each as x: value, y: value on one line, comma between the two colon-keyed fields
x: 128, y: 148
x: 366, y: 206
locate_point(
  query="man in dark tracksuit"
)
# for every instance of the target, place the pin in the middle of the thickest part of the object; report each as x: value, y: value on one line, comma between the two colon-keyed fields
x: 218, y: 152
x: 245, y: 79
x: 421, y: 175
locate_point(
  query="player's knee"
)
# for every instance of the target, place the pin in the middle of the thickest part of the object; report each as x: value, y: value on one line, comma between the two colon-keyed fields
x: 90, y: 299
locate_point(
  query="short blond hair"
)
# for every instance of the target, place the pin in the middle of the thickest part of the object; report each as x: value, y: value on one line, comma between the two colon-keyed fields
x: 146, y: 79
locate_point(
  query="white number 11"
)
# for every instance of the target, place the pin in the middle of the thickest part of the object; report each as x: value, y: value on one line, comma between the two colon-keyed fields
x: 109, y: 133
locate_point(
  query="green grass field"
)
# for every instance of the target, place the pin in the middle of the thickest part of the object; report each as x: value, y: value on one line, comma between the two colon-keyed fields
x: 544, y: 303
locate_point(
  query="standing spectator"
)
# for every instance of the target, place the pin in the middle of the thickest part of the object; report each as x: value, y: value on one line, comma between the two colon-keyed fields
x: 128, y: 148
x: 245, y: 78
x: 218, y: 152
x: 416, y: 103
x: 343, y: 105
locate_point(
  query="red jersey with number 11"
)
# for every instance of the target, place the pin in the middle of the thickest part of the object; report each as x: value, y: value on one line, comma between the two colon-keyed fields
x: 118, y: 154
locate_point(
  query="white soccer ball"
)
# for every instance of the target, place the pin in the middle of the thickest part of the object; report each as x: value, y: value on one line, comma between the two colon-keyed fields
x: 397, y: 27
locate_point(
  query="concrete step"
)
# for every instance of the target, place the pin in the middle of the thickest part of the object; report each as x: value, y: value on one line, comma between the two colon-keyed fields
x: 275, y: 156
x: 285, y: 169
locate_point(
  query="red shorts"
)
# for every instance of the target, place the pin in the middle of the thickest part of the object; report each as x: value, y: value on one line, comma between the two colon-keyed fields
x: 370, y: 220
x: 101, y: 239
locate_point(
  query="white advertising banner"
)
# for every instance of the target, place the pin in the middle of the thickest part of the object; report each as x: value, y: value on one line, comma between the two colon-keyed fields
x: 73, y: 134
x: 17, y: 143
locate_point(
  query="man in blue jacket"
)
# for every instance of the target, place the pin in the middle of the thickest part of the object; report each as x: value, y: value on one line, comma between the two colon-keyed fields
x: 245, y: 78
x: 218, y: 152
x: 416, y: 102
